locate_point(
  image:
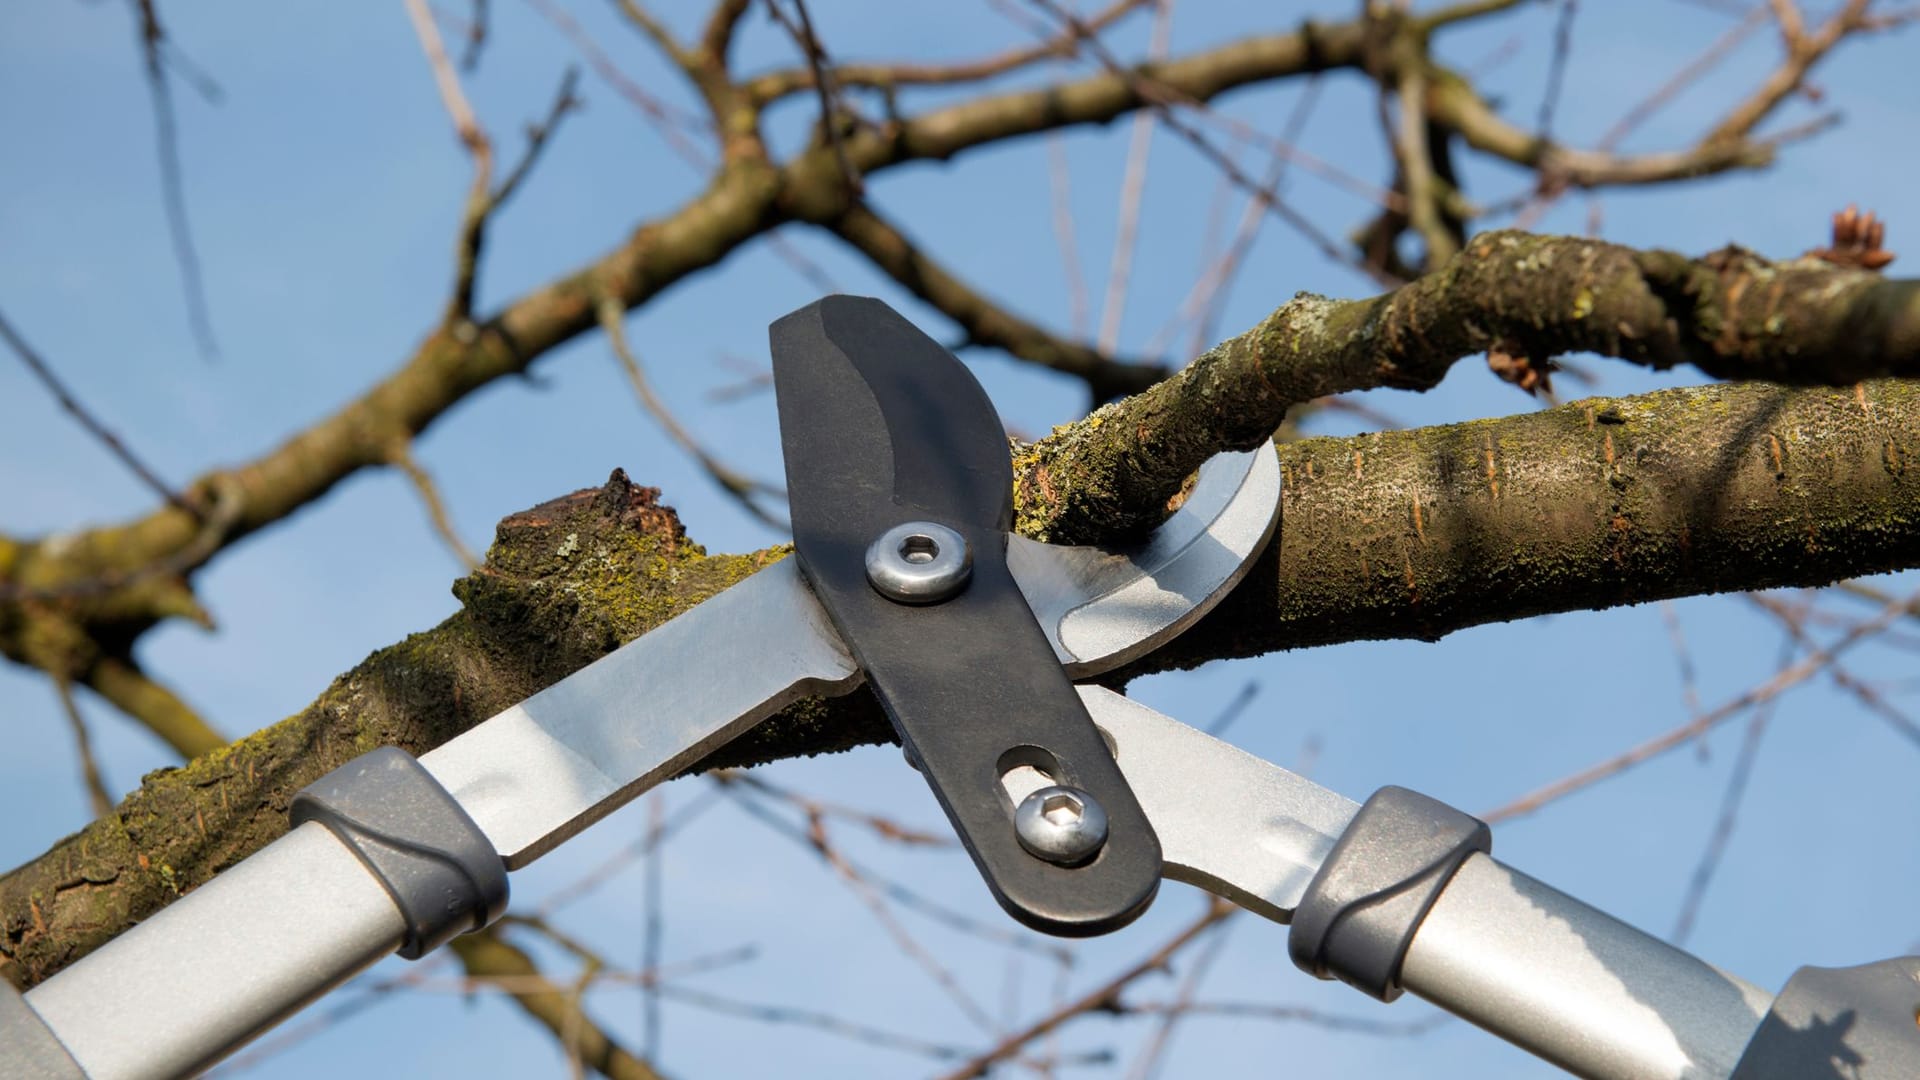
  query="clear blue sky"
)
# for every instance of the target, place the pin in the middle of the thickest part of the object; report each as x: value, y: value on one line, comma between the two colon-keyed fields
x: 323, y: 194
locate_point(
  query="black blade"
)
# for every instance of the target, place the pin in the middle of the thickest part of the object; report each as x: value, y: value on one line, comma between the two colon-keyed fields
x: 880, y: 426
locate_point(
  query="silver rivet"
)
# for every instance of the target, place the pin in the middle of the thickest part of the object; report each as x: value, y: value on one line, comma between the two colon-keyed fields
x: 1061, y: 825
x: 919, y: 563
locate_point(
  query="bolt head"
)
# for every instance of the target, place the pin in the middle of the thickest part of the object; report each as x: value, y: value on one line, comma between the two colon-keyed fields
x: 1061, y: 824
x: 919, y: 562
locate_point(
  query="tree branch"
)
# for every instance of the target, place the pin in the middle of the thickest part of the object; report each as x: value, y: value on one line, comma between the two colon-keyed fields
x: 1399, y: 535
x: 985, y: 322
x: 491, y: 957
x: 1731, y: 314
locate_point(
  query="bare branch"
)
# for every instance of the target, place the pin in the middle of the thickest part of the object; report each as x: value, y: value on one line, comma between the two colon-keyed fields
x: 1816, y: 661
x: 770, y: 87
x: 670, y: 123
x: 480, y: 196
x: 743, y: 489
x: 101, y: 432
x: 984, y: 322
x: 1731, y: 314
x: 487, y: 955
x: 1102, y: 998
x: 823, y: 84
x: 173, y: 190
x: 1133, y: 183
x: 401, y: 455
x: 565, y: 101
x: 98, y: 800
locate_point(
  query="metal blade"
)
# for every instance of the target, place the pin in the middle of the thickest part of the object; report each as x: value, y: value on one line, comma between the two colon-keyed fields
x: 1101, y: 607
x: 540, y: 772
x: 1228, y: 822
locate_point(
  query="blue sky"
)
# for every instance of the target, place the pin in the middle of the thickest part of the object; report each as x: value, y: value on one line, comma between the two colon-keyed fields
x: 324, y: 193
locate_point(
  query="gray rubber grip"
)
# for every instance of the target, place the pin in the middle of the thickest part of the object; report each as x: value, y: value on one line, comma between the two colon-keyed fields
x: 29, y: 1050
x: 1861, y: 1023
x: 1384, y: 873
x: 443, y: 875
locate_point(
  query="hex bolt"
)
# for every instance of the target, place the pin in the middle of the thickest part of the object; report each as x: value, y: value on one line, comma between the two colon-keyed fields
x: 1062, y: 825
x: 919, y: 562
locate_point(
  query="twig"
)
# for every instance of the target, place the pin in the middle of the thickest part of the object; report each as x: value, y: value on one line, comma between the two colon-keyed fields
x: 1557, y: 67
x: 1291, y: 1014
x: 101, y: 433
x: 811, y: 272
x: 172, y: 187
x: 1161, y: 97
x: 1795, y: 622
x: 1816, y: 661
x: 1147, y: 1065
x: 1105, y: 997
x: 1730, y: 800
x: 1132, y: 187
x: 672, y: 124
x: 827, y: 1022
x: 741, y: 488
x: 1208, y: 298
x: 764, y: 89
x: 1243, y: 698
x: 565, y: 100
x: 400, y: 455
x: 98, y: 800
x: 823, y: 86
x: 591, y: 881
x: 1060, y: 188
x: 479, y: 147
x: 654, y: 905
x: 817, y: 840
x: 476, y: 36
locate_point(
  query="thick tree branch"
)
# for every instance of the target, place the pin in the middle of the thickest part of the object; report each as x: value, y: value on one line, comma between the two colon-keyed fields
x: 1407, y: 534
x: 1732, y: 314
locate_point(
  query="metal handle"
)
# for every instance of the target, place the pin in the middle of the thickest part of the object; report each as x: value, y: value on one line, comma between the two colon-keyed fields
x: 199, y: 979
x: 1575, y: 985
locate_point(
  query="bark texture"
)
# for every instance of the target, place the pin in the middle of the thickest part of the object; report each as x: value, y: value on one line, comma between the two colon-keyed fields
x: 1406, y: 534
x: 1731, y: 314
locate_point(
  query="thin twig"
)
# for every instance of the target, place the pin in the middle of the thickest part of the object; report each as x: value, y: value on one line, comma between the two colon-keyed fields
x: 816, y: 838
x: 101, y: 433
x: 565, y: 100
x: 173, y: 191
x: 1060, y: 188
x: 1557, y: 67
x: 652, y: 902
x: 823, y: 85
x: 1105, y: 997
x: 1133, y: 184
x: 1730, y: 800
x: 400, y: 456
x: 1817, y: 660
x: 480, y: 194
x: 1147, y: 1065
x: 741, y: 488
x: 670, y: 123
x: 98, y: 800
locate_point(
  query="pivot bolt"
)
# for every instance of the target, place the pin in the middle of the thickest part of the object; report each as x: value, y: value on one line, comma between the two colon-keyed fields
x: 1061, y: 825
x: 919, y: 563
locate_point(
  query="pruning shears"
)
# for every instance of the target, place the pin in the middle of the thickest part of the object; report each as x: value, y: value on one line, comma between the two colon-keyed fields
x: 1073, y: 801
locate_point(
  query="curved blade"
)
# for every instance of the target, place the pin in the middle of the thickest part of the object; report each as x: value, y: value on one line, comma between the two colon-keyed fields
x: 882, y: 426
x: 1103, y: 607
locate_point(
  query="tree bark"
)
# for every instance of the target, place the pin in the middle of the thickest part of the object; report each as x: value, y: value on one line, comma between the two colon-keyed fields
x: 1407, y: 534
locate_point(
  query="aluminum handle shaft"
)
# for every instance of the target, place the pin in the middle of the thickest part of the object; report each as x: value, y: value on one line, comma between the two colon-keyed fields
x: 177, y: 993
x: 1575, y: 985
